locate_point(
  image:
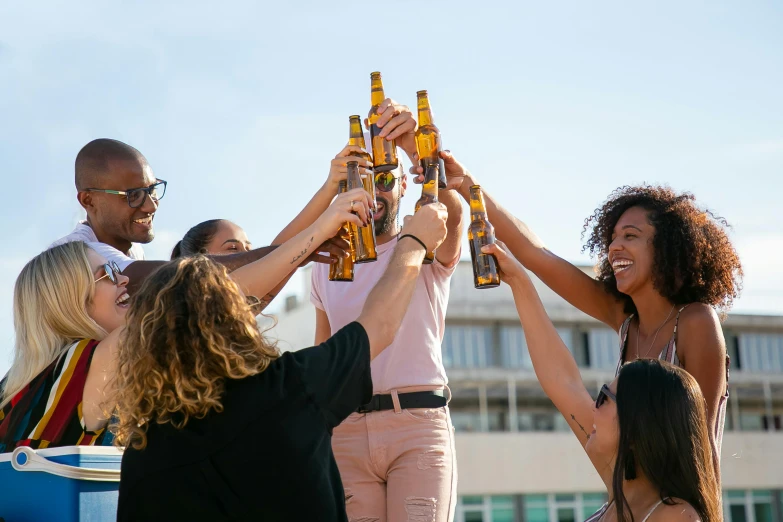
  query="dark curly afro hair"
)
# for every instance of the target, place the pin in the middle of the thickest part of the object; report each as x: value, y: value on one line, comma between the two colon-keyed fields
x: 694, y: 259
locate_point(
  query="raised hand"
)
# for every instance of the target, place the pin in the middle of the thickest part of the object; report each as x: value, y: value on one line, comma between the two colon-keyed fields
x: 455, y: 171
x: 338, y: 170
x: 510, y: 268
x: 428, y: 224
x: 397, y: 123
x: 352, y: 206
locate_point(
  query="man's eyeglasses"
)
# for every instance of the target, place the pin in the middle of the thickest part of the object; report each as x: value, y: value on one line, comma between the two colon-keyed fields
x: 385, y: 181
x: 604, y: 394
x: 112, y: 271
x: 137, y: 196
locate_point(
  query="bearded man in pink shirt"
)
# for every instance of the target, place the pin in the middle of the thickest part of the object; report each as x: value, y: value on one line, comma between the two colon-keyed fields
x: 395, y: 454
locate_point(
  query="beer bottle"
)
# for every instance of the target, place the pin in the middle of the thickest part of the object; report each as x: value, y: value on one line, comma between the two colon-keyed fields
x: 428, y: 139
x: 364, y: 237
x: 384, y: 152
x: 342, y: 270
x: 356, y: 137
x: 429, y: 194
x: 480, y: 233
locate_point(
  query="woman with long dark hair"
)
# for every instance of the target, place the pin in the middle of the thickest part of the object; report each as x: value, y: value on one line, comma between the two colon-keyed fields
x: 667, y: 274
x: 646, y: 434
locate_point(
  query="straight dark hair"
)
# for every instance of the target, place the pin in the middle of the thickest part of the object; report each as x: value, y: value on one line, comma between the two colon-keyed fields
x: 196, y: 239
x: 662, y: 416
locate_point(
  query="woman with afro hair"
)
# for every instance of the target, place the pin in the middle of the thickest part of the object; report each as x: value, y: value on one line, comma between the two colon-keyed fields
x: 666, y: 275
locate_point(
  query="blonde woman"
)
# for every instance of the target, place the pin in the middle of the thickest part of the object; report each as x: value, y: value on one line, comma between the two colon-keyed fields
x: 69, y: 311
x: 217, y: 424
x: 66, y: 301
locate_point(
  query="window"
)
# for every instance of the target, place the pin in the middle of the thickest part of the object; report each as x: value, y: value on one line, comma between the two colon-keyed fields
x: 747, y: 506
x: 466, y: 421
x: 485, y: 508
x: 761, y: 352
x: 513, y: 346
x: 468, y: 347
x: 568, y: 507
x: 751, y: 421
x: 537, y: 421
x: 592, y: 502
x: 604, y: 348
x: 732, y: 350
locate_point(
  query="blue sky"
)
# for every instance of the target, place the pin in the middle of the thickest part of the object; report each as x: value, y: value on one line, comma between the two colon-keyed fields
x: 241, y: 105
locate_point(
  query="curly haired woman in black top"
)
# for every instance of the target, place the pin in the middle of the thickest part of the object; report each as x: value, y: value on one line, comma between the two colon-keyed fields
x: 667, y: 273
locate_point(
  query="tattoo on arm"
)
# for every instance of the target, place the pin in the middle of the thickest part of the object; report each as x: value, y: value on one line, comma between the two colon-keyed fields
x: 303, y: 252
x: 580, y: 426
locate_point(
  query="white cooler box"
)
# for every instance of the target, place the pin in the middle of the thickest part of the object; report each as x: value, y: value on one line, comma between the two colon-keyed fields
x: 70, y: 483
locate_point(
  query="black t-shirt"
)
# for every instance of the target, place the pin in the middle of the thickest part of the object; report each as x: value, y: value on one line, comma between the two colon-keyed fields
x: 268, y: 455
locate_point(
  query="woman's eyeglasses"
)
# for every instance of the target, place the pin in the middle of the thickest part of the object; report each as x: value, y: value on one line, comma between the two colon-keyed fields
x: 137, y: 196
x: 112, y: 271
x: 604, y: 394
x: 385, y: 181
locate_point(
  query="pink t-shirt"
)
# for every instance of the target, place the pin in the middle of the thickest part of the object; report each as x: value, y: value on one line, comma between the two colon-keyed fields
x: 414, y: 358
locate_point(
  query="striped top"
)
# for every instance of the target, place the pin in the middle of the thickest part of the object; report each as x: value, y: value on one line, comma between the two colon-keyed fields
x: 48, y: 411
x: 669, y: 354
x: 596, y: 517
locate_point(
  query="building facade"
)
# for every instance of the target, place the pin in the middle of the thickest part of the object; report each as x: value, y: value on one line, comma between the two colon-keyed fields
x: 518, y: 460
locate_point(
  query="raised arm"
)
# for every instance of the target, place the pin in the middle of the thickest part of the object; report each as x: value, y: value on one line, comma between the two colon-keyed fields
x: 568, y: 281
x: 555, y: 367
x: 388, y: 301
x: 260, y: 277
x: 324, y: 196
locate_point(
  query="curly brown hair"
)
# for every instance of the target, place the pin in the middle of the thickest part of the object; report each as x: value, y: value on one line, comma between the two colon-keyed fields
x: 694, y: 259
x: 189, y: 329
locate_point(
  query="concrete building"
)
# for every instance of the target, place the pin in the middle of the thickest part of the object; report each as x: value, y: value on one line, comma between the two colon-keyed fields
x: 518, y: 461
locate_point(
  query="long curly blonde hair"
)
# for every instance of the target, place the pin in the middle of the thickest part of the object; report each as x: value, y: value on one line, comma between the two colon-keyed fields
x: 189, y: 329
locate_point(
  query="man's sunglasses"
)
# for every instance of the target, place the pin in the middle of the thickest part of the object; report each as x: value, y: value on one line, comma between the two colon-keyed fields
x: 604, y: 394
x: 385, y: 181
x: 137, y: 196
x: 112, y: 271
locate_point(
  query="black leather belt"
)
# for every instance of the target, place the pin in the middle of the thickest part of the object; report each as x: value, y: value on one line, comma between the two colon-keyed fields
x: 425, y: 399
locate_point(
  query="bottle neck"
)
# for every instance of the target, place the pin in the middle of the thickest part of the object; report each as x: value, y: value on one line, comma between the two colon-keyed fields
x: 477, y: 208
x: 376, y: 92
x: 354, y: 178
x: 430, y: 185
x: 356, y: 136
x: 425, y: 113
x: 478, y: 216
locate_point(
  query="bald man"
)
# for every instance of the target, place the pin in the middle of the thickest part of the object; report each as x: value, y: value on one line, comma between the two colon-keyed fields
x: 117, y: 188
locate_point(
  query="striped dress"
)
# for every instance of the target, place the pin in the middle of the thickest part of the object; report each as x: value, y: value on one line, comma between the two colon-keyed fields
x: 48, y: 411
x: 669, y: 354
x: 598, y: 515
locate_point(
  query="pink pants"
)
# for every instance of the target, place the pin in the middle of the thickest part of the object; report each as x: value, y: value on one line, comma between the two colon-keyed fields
x: 398, y: 465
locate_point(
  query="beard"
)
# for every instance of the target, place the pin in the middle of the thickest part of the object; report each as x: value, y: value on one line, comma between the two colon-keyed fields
x: 385, y: 223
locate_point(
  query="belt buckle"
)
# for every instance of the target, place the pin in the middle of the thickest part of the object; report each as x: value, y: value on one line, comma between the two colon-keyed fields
x: 373, y: 405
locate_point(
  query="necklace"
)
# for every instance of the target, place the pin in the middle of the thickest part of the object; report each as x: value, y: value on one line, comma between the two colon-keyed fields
x: 639, y: 329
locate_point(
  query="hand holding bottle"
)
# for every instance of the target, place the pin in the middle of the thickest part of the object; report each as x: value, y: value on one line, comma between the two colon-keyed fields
x: 456, y: 172
x: 338, y: 169
x: 428, y: 225
x: 511, y: 270
x: 352, y: 206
